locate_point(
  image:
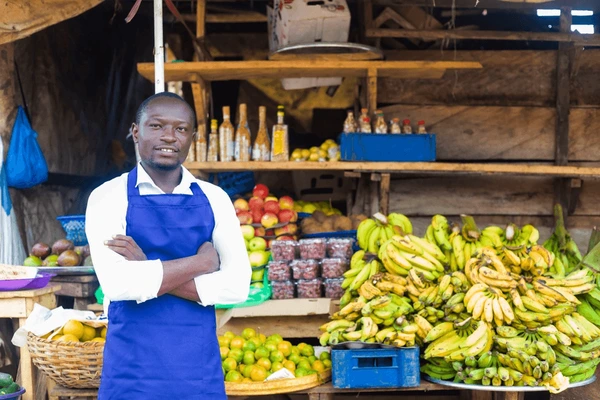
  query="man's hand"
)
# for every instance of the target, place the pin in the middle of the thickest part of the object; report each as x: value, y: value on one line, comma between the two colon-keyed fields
x: 211, y: 257
x: 127, y: 247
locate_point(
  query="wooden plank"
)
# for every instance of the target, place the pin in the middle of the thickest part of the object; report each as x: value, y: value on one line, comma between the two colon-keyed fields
x: 509, y: 78
x: 476, y: 169
x: 384, y: 194
x: 423, y: 387
x: 200, y: 18
x: 503, y: 133
x: 30, y: 293
x: 372, y: 90
x: 13, y: 308
x: 499, y: 4
x: 584, y: 40
x: 290, y: 307
x: 244, y: 70
x: 288, y: 327
x: 72, y: 289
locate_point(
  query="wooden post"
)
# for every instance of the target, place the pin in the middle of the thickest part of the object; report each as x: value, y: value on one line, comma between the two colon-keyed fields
x: 372, y: 90
x: 200, y: 19
x: 384, y: 194
x: 8, y: 103
x: 563, y: 76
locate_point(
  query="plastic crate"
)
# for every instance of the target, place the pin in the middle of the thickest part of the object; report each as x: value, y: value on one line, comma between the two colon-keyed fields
x: 74, y: 226
x: 390, y: 147
x: 234, y: 183
x: 375, y: 368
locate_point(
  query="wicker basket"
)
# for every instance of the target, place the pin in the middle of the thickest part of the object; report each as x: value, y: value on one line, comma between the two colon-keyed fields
x: 278, y: 386
x: 70, y: 364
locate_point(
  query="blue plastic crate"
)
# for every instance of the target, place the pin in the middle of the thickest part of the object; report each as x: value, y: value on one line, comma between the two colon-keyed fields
x: 390, y: 147
x: 234, y: 183
x: 74, y: 226
x: 375, y: 368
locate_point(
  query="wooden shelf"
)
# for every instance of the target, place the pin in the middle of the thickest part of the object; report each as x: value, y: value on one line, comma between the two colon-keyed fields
x: 427, y: 168
x: 243, y: 70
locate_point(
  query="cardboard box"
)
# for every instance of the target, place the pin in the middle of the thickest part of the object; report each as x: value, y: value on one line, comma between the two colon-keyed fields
x: 307, y: 21
x: 321, y: 185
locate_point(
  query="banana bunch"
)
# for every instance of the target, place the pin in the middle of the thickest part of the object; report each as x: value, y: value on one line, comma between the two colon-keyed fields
x: 560, y: 243
x: 439, y: 368
x: 455, y: 341
x: 402, y: 254
x: 488, y: 304
x: 438, y: 233
x: 590, y: 306
x: 373, y: 232
x: 362, y: 267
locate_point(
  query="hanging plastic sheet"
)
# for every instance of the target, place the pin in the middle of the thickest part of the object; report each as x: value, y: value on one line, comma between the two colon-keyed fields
x: 11, y: 246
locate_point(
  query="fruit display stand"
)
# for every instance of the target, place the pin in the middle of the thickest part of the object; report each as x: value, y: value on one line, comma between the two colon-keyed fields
x: 18, y: 305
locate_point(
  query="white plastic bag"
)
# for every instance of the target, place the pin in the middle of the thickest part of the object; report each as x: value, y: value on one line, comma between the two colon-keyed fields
x: 11, y: 246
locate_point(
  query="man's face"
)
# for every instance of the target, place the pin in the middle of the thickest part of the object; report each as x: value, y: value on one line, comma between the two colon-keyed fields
x: 164, y: 134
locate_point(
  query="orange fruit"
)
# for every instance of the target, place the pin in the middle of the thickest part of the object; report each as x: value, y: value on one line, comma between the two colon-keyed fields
x: 307, y: 350
x: 236, y: 354
x: 295, y: 350
x: 300, y: 346
x: 327, y: 364
x: 224, y: 352
x: 103, y: 332
x: 303, y: 364
x: 261, y: 352
x: 300, y: 372
x: 98, y: 339
x: 223, y: 341
x: 295, y: 358
x: 264, y: 362
x: 229, y: 364
x: 89, y: 333
x: 56, y: 337
x: 246, y: 380
x: 74, y: 328
x: 237, y: 343
x: 276, y: 366
x: 251, y: 346
x: 249, y: 358
x: 289, y: 365
x: 262, y: 338
x: 276, y: 356
x: 271, y: 346
x: 275, y: 338
x: 230, y: 335
x: 312, y: 359
x: 247, y: 371
x: 324, y: 356
x: 69, y: 337
x: 256, y: 342
x: 318, y: 366
x: 248, y: 333
x: 233, y: 376
x: 258, y: 374
x: 285, y: 347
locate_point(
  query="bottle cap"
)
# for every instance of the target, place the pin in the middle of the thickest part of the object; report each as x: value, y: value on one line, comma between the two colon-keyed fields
x: 396, y: 120
x: 421, y: 122
x: 214, y: 124
x: 406, y: 122
x: 364, y: 110
x: 378, y: 112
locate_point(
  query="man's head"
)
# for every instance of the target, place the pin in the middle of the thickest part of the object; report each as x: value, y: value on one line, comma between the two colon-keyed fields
x: 164, y: 128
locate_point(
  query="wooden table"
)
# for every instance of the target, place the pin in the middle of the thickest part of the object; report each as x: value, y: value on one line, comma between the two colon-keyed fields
x: 81, y: 288
x: 18, y: 305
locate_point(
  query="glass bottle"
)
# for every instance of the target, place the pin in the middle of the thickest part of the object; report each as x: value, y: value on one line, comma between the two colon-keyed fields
x: 226, y: 143
x: 406, y: 128
x: 350, y: 125
x: 242, y: 136
x: 395, y: 126
x: 261, y: 150
x: 365, y: 121
x: 213, y: 142
x: 380, y: 125
x: 201, y: 144
x: 280, y: 150
x: 191, y: 157
x: 421, y: 128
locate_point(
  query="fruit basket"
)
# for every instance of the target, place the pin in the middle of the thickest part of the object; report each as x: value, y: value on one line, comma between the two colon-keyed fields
x: 76, y: 365
x: 277, y: 386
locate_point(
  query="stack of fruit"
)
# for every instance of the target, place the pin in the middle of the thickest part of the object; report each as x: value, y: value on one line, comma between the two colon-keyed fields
x: 7, y: 385
x: 328, y: 151
x: 491, y: 308
x: 319, y: 222
x: 252, y: 357
x: 76, y: 331
x: 309, y: 207
x: 63, y: 253
x: 269, y: 216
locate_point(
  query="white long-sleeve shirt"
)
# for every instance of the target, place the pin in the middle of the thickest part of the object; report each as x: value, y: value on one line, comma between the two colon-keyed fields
x: 140, y: 280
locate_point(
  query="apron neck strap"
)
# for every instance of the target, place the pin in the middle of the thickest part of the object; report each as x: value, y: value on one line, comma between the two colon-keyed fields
x: 133, y: 190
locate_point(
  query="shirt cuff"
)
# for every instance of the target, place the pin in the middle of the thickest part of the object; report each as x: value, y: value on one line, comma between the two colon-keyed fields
x: 152, y: 280
x: 205, y: 287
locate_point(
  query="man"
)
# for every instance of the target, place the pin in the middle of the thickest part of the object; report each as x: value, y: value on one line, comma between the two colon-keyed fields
x: 166, y: 248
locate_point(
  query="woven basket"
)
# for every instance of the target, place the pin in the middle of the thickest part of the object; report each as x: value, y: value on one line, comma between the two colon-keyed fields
x: 70, y: 364
x: 278, y: 386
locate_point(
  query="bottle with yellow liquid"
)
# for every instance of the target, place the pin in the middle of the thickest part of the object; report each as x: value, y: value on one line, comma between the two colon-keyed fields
x: 261, y: 151
x: 201, y: 144
x: 213, y: 142
x: 242, y: 136
x: 226, y: 137
x: 280, y: 150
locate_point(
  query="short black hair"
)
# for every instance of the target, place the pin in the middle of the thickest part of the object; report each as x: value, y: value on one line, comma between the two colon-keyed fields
x: 142, y: 108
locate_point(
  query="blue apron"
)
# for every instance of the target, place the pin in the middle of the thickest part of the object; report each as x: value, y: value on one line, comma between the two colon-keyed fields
x: 164, y: 348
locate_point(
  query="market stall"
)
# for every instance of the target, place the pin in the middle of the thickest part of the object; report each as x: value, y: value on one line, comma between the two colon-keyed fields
x: 366, y: 275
